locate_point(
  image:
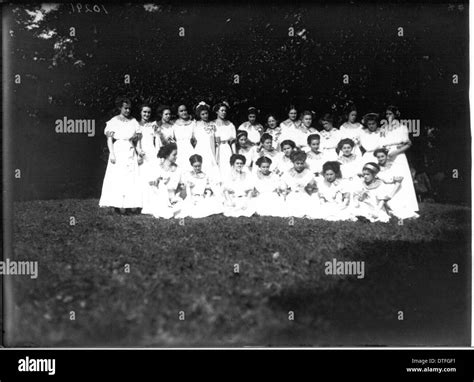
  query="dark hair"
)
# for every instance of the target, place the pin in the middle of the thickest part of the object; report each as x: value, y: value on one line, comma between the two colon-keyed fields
x: 288, y: 142
x: 368, y: 166
x: 264, y: 137
x: 394, y: 110
x: 240, y: 133
x: 345, y: 141
x: 252, y: 111
x: 385, y: 151
x: 200, y: 109
x: 334, y: 166
x: 166, y: 150
x: 313, y: 137
x: 195, y: 158
x: 298, y: 155
x: 119, y: 101
x: 262, y: 160
x: 291, y: 107
x: 349, y: 110
x: 235, y: 157
x: 370, y: 117
x: 178, y: 105
x: 307, y: 112
x: 218, y: 105
x: 160, y: 110
x: 327, y: 118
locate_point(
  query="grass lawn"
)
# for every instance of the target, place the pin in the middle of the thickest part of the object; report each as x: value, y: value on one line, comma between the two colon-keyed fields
x: 176, y: 267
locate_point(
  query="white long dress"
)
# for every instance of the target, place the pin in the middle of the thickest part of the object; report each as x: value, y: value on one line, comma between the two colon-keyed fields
x: 273, y: 155
x: 121, y: 187
x: 202, y: 196
x: 268, y: 201
x: 299, y: 203
x: 254, y: 132
x: 275, y: 133
x: 205, y: 135
x: 370, y: 141
x: 352, y: 131
x: 150, y: 143
x: 399, y: 204
x: 329, y: 141
x: 166, y: 132
x: 238, y: 186
x: 183, y: 132
x: 394, y: 137
x: 315, y: 162
x: 283, y: 165
x: 351, y: 167
x: 250, y: 154
x: 226, y: 132
x: 163, y: 201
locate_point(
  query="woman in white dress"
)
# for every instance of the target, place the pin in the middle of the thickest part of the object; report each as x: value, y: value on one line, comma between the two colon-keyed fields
x: 371, y: 136
x: 238, y: 187
x: 245, y: 148
x: 369, y: 201
x: 330, y: 138
x: 284, y: 163
x: 147, y: 146
x: 300, y: 189
x: 225, y: 138
x: 268, y: 199
x: 315, y: 158
x: 350, y: 163
x: 397, y: 141
x: 202, y: 195
x: 121, y: 188
x: 334, y: 197
x: 205, y: 135
x: 252, y: 127
x: 274, y: 129
x: 391, y: 173
x: 352, y: 129
x: 165, y: 201
x: 266, y: 149
x: 292, y: 129
x: 307, y: 117
x: 183, y: 129
x: 164, y: 125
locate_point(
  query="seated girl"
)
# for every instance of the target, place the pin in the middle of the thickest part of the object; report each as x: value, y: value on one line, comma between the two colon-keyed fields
x: 237, y: 188
x: 333, y: 197
x: 268, y: 199
x: 165, y: 201
x: 300, y: 188
x: 390, y: 173
x: 369, y: 201
x: 202, y: 197
x: 284, y: 163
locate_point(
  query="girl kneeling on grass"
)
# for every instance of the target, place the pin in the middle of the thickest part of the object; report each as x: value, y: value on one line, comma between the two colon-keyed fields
x: 268, y: 200
x: 165, y: 201
x: 369, y: 201
x: 300, y: 188
x: 334, y: 198
x: 202, y: 198
x: 238, y: 189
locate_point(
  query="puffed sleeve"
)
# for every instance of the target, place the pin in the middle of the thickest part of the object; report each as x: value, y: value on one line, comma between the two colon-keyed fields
x: 110, y: 127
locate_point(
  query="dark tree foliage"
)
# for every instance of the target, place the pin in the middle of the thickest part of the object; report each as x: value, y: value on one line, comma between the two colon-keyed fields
x: 80, y: 74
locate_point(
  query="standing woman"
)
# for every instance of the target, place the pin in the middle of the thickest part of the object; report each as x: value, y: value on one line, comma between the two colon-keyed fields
x: 352, y: 129
x: 273, y: 129
x: 397, y: 142
x: 371, y: 137
x: 205, y: 135
x: 165, y: 201
x: 148, y: 146
x: 121, y: 188
x: 292, y: 129
x: 164, y: 126
x: 183, y: 129
x: 238, y: 187
x: 225, y: 138
x: 330, y: 137
x: 252, y: 127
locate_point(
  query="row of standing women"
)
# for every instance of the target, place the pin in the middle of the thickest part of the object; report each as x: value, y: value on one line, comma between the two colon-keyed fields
x: 198, y: 167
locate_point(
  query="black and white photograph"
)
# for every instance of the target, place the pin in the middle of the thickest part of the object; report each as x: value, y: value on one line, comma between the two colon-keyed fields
x: 229, y: 175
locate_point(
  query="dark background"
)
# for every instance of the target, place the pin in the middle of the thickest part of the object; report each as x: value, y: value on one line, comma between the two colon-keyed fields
x: 80, y: 77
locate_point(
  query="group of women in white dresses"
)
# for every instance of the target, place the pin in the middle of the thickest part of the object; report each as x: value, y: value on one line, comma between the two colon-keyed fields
x: 197, y: 167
